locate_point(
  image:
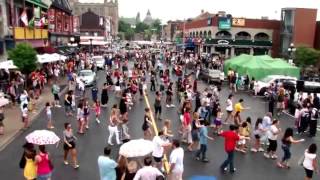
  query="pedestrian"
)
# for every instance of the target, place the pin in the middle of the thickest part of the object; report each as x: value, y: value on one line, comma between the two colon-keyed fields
x: 68, y: 103
x: 159, y: 143
x: 229, y: 108
x: 266, y: 124
x: 94, y: 93
x: 186, y: 128
x: 157, y: 106
x: 30, y: 166
x: 49, y: 116
x: 44, y: 164
x: 122, y: 167
x: 55, y: 91
x: 123, y: 107
x: 305, y: 117
x: 272, y: 134
x: 287, y: 140
x: 1, y: 120
x: 169, y: 95
x: 25, y: 116
x: 238, y: 109
x: 113, y: 126
x: 167, y: 129
x: 313, y: 122
x: 147, y: 172
x: 146, y: 124
x: 258, y: 132
x: 176, y: 161
x: 152, y: 81
x: 217, y: 122
x: 281, y: 98
x: 231, y: 137
x: 107, y: 166
x: 244, y: 131
x: 86, y: 113
x: 104, y: 95
x: 97, y: 110
x: 195, y: 131
x: 80, y: 118
x: 69, y: 145
x: 203, y: 140
x: 309, y: 163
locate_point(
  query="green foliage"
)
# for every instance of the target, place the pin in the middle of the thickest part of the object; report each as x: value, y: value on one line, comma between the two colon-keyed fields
x: 24, y: 57
x: 305, y: 56
x: 141, y: 27
x: 123, y: 26
x: 157, y: 26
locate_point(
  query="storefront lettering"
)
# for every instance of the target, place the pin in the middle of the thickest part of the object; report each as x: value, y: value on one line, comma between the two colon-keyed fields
x: 223, y: 42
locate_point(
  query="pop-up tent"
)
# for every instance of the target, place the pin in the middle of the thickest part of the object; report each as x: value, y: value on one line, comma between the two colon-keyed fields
x: 260, y: 66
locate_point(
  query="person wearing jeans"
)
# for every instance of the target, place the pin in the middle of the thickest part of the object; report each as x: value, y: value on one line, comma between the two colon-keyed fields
x: 231, y: 137
x: 203, y: 142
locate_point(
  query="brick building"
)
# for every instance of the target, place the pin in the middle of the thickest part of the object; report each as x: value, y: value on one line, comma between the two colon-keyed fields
x: 226, y: 35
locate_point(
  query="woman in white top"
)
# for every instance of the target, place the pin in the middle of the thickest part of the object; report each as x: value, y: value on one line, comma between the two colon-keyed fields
x: 272, y: 135
x: 229, y: 108
x: 309, y: 162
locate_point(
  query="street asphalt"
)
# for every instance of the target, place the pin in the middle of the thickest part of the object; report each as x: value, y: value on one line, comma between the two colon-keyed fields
x: 249, y: 166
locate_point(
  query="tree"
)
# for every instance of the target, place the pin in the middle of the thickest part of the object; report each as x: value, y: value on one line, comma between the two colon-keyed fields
x: 24, y: 57
x: 141, y: 27
x: 157, y: 26
x: 305, y: 56
x: 123, y: 26
x: 129, y: 34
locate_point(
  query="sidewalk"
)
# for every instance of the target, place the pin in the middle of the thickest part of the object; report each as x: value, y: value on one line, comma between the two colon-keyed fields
x: 12, y: 122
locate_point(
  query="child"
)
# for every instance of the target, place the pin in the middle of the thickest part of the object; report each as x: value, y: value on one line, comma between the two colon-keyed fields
x: 49, y: 116
x: 25, y: 115
x: 243, y: 131
x: 203, y: 142
x: 217, y: 122
x: 97, y: 110
x: 129, y: 100
x: 258, y: 130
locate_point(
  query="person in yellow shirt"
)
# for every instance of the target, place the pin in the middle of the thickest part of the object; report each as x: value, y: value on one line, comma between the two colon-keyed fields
x: 239, y: 108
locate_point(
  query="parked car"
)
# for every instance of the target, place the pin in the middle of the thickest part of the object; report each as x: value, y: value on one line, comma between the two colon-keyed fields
x: 211, y: 75
x: 88, y: 77
x: 309, y: 86
x: 98, y: 61
x: 263, y: 85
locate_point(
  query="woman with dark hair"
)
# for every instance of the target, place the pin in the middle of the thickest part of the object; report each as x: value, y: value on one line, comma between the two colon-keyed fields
x: 104, y: 95
x: 287, y: 140
x: 68, y: 103
x: 69, y: 145
x: 28, y: 162
x: 44, y: 166
x: 310, y: 163
x: 146, y: 124
x: 229, y: 108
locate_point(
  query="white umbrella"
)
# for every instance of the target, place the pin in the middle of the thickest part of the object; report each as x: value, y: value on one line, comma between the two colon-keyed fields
x: 42, y: 137
x: 7, y: 65
x: 136, y: 148
x: 3, y: 101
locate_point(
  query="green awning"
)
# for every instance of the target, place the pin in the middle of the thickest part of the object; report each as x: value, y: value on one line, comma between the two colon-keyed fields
x: 38, y: 3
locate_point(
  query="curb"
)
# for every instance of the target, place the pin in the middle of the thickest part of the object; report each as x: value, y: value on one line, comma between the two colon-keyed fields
x: 19, y: 131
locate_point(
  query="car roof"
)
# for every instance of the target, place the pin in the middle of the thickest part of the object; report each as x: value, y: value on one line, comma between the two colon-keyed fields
x: 281, y: 76
x: 86, y: 70
x: 96, y: 57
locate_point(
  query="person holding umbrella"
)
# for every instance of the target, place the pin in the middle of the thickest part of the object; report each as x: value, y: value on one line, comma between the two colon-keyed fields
x: 69, y: 145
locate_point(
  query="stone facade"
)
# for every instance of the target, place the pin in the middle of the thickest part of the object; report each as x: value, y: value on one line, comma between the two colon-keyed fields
x: 108, y: 9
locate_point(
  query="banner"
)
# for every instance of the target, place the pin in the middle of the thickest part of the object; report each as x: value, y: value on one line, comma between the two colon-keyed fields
x: 224, y: 23
x: 238, y: 22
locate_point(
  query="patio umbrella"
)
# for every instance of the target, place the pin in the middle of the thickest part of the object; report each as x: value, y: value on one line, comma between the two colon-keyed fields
x: 42, y: 137
x: 136, y: 148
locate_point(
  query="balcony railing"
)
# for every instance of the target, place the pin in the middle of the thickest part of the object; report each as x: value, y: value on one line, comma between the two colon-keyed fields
x: 24, y: 33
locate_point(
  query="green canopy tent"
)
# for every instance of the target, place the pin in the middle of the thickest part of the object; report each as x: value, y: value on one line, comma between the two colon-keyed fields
x: 260, y: 66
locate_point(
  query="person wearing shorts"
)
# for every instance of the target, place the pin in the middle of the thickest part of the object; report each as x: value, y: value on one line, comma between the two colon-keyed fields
x: 157, y: 106
x: 309, y: 163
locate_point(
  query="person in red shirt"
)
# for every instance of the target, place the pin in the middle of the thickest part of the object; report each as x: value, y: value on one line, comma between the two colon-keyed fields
x: 231, y: 137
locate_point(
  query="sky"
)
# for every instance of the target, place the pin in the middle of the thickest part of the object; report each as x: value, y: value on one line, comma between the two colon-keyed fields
x: 183, y: 9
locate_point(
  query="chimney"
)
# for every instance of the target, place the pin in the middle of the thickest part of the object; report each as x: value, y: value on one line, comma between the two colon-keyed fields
x: 202, y: 11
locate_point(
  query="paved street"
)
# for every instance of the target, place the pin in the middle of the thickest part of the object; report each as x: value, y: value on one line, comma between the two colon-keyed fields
x: 90, y: 146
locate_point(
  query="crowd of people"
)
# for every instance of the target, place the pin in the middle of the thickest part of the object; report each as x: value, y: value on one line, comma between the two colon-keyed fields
x: 200, y: 113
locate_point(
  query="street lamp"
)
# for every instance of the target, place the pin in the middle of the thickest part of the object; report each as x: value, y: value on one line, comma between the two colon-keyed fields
x: 291, y: 51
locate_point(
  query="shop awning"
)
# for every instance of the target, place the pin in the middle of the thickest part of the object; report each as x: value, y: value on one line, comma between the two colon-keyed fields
x: 38, y: 3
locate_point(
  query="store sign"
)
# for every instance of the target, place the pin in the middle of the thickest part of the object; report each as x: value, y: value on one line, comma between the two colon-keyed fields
x: 223, y: 42
x: 224, y: 23
x: 238, y: 22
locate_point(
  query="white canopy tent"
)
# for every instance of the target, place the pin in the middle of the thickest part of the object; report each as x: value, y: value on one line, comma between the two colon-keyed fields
x: 7, y: 65
x: 48, y: 58
x: 95, y: 43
